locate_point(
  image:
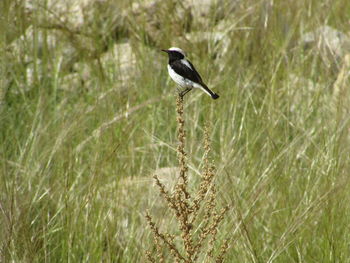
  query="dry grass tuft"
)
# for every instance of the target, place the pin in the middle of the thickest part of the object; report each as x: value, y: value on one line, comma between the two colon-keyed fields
x: 196, y: 212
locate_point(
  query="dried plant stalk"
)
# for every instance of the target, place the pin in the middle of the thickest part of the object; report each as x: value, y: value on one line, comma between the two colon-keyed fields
x: 199, y: 209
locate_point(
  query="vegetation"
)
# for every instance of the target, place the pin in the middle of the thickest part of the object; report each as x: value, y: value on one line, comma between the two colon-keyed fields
x: 196, y: 212
x: 81, y: 134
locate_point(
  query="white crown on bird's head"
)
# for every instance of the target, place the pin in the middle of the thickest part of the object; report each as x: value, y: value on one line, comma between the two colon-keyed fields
x: 178, y: 50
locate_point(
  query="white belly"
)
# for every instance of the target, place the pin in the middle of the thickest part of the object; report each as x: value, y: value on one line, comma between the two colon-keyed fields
x: 184, y: 83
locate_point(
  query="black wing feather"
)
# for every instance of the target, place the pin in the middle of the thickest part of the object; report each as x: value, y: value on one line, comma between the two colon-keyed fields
x: 183, y: 70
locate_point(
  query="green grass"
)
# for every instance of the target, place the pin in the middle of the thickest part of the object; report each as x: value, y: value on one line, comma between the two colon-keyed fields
x: 68, y: 194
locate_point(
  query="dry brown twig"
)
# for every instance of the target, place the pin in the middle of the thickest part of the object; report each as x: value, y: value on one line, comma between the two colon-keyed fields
x: 196, y: 214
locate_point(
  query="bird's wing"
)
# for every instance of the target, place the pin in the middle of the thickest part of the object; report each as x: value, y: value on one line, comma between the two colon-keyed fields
x: 195, y: 71
x: 183, y: 69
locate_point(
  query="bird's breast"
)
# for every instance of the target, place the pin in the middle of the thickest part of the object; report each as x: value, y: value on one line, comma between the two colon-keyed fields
x: 178, y: 78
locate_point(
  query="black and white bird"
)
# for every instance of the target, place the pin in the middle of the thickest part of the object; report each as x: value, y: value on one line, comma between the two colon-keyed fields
x: 184, y: 74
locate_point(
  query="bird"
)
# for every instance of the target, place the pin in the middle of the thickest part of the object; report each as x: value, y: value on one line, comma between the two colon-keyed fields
x: 184, y: 73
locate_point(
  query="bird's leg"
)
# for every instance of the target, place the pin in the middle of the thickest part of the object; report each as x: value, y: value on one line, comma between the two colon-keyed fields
x: 178, y: 90
x: 183, y: 93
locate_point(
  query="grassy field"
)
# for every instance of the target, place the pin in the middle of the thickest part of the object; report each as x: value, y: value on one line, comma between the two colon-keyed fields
x: 79, y: 145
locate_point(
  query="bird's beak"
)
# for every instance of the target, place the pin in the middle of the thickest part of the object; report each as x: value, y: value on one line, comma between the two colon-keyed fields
x: 165, y: 50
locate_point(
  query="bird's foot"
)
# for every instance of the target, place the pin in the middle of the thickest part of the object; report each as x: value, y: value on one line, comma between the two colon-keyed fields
x: 184, y: 92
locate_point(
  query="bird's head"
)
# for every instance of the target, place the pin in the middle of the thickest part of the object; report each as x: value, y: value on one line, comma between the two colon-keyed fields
x: 175, y: 53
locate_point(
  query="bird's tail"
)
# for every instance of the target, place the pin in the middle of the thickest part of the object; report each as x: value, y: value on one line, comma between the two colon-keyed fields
x: 204, y: 87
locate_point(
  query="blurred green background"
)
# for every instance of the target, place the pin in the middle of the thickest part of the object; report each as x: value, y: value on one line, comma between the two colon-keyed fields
x: 87, y: 116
